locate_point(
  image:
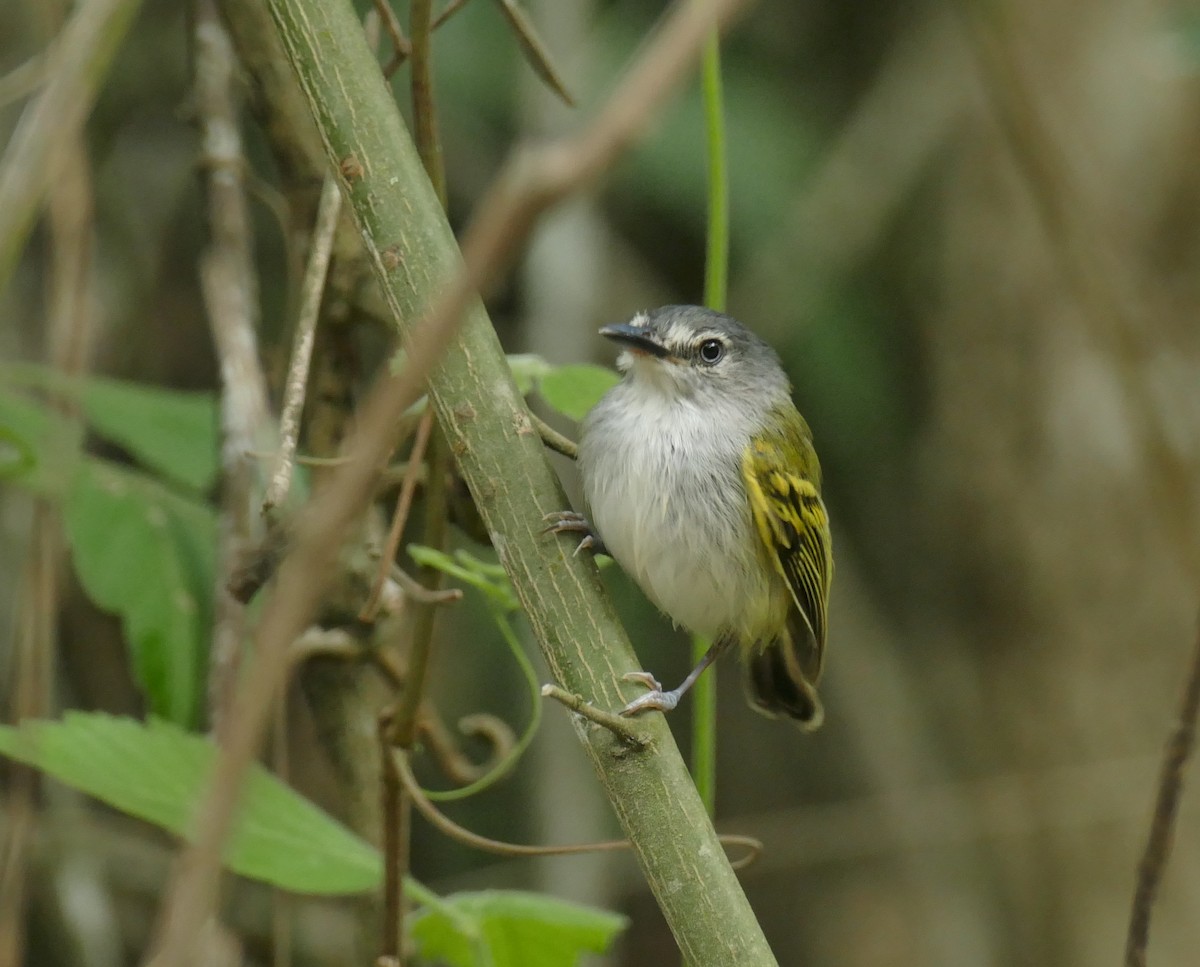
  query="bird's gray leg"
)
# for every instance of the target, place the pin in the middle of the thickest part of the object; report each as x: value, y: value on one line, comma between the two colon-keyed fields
x: 569, y: 522
x: 656, y: 698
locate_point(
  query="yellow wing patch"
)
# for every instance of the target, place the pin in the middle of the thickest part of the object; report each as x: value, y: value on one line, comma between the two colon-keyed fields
x: 794, y: 527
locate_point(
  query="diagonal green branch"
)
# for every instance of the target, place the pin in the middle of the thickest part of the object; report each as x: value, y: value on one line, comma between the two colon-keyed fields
x: 500, y: 454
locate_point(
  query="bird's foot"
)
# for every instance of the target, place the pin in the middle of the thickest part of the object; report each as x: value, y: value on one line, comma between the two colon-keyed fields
x: 570, y: 522
x: 654, y: 700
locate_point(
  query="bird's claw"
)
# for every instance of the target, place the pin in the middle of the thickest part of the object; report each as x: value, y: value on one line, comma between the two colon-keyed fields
x: 654, y: 700
x: 643, y: 678
x: 570, y: 522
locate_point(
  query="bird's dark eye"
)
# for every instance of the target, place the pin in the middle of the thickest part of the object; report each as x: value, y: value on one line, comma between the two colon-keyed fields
x: 711, y: 351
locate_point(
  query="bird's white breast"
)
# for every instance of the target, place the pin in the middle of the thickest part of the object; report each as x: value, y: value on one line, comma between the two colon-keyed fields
x: 662, y: 478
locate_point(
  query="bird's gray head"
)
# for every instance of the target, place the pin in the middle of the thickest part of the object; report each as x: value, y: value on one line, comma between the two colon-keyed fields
x: 693, y: 352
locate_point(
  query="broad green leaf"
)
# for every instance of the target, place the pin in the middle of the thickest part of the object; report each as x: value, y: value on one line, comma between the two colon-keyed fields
x: 169, y: 431
x: 173, y: 432
x: 518, y: 929
x: 157, y: 772
x: 38, y: 445
x: 573, y: 390
x: 147, y: 554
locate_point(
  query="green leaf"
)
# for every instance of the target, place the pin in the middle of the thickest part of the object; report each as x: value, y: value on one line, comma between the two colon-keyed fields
x: 147, y: 554
x: 573, y: 390
x: 38, y: 445
x: 172, y: 432
x: 491, y: 579
x: 518, y: 929
x: 527, y: 369
x: 158, y: 773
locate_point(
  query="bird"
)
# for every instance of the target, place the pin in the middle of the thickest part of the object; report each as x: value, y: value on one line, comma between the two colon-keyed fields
x: 701, y: 480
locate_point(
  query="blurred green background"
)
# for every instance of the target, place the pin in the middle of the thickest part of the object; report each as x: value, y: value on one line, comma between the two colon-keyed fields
x: 973, y: 233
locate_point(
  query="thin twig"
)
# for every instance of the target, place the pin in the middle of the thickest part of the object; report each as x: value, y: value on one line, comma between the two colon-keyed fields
x: 425, y: 127
x: 420, y: 593
x: 453, y: 7
x: 31, y: 687
x: 231, y: 296
x: 1162, y: 827
x: 440, y: 821
x: 311, y: 290
x: 403, y: 728
x: 501, y: 226
x: 438, y: 742
x: 395, y: 817
x: 401, y: 48
x: 534, y: 50
x: 553, y: 439
x: 620, y: 727
x: 421, y: 640
x: 460, y: 834
x: 400, y: 516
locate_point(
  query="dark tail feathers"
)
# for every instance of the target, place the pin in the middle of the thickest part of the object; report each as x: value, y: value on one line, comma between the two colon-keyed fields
x: 776, y: 685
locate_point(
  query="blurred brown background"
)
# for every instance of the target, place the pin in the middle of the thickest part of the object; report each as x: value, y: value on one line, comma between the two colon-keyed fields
x: 973, y: 233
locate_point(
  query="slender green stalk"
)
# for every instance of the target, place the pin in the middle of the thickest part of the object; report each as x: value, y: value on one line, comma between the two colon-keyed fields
x: 716, y: 263
x: 716, y: 275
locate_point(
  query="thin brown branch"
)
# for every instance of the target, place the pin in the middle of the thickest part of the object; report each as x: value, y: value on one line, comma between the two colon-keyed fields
x: 535, y: 52
x: 420, y: 644
x: 420, y: 593
x: 460, y: 834
x: 400, y: 517
x: 440, y: 745
x: 328, y: 211
x: 425, y: 126
x: 396, y: 819
x: 403, y: 728
x: 231, y: 296
x: 401, y: 48
x: 1166, y: 808
x: 33, y: 667
x: 453, y: 7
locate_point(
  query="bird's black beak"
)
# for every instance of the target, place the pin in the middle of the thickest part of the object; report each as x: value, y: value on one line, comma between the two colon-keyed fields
x: 636, y: 338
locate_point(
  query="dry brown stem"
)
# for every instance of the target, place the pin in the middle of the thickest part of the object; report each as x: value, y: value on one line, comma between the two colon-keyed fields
x: 230, y: 287
x: 313, y: 286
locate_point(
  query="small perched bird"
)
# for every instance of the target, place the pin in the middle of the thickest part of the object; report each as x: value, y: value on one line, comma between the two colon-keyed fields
x: 702, y: 482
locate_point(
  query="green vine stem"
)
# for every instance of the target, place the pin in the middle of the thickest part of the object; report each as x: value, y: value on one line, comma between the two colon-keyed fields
x: 716, y: 275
